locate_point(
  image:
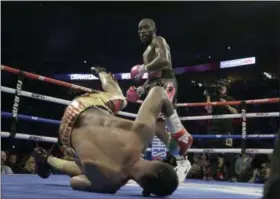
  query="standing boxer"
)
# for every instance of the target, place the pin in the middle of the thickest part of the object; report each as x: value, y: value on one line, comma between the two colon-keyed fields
x: 158, y: 65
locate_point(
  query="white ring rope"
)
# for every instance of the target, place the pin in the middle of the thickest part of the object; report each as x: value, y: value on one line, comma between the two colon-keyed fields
x: 52, y: 99
x: 31, y: 137
x: 205, y: 117
x: 192, y: 150
x: 66, y: 102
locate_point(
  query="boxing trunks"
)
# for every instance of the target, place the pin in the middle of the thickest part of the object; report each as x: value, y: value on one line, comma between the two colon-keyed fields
x: 165, y: 78
x: 103, y: 100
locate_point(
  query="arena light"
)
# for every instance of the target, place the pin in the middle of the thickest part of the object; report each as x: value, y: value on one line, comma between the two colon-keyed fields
x: 237, y: 62
x: 127, y: 75
x: 177, y: 70
x: 83, y: 77
x: 267, y: 75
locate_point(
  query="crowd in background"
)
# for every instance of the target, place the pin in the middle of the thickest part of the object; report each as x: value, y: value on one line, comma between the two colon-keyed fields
x: 241, y: 168
x: 247, y: 168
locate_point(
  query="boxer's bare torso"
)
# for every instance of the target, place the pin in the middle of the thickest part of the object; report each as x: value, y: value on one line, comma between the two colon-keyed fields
x: 151, y: 52
x: 157, y: 59
x: 114, y: 147
x: 157, y: 54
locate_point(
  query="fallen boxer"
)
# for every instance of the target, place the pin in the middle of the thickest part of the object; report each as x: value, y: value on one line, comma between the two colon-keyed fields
x: 108, y: 147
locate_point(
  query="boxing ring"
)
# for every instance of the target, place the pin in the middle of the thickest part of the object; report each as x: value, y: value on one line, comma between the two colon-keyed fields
x: 31, y: 186
x: 57, y: 186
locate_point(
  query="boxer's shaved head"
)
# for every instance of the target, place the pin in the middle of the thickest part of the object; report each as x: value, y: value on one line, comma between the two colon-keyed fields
x: 147, y: 30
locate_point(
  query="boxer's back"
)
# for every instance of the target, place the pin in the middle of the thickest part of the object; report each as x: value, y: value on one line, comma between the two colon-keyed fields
x: 111, y: 149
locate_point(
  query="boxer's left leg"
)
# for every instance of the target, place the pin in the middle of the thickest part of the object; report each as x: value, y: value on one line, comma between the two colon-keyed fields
x: 111, y: 86
x: 183, y: 164
x: 67, y: 167
x: 44, y: 163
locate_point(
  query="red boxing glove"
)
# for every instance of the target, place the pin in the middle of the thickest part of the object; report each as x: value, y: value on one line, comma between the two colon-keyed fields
x: 137, y: 72
x: 132, y: 95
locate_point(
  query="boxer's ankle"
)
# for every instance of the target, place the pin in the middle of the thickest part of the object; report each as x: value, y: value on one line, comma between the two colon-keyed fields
x: 97, y: 70
x: 56, y: 163
x: 173, y: 123
x: 184, y: 140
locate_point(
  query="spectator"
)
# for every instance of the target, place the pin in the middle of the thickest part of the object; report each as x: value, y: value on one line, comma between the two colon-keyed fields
x: 260, y: 175
x: 4, y: 168
x: 196, y: 169
x: 13, y: 163
x: 221, y: 127
x: 221, y: 172
x: 205, y: 164
x: 29, y: 167
x: 243, y: 168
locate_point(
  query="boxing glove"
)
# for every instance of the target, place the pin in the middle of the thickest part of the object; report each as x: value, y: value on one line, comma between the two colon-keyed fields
x: 132, y: 95
x: 137, y: 71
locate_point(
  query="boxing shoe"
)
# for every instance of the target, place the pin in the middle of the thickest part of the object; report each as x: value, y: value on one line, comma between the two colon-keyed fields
x: 183, y: 167
x: 43, y: 169
x: 184, y: 141
x: 96, y: 70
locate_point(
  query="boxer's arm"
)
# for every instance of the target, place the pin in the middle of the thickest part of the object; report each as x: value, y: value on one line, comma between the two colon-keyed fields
x: 162, y: 51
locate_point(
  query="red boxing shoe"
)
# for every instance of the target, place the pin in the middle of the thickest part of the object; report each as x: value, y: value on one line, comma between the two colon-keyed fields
x: 184, y: 140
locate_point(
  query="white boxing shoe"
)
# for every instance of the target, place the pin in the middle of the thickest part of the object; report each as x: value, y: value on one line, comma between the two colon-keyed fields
x: 183, y: 168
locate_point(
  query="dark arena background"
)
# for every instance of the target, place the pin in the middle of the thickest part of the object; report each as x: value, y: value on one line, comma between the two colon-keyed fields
x: 238, y: 42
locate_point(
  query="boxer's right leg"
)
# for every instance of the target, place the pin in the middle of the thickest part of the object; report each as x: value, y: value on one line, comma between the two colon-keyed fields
x: 80, y: 182
x: 156, y: 102
x: 162, y: 133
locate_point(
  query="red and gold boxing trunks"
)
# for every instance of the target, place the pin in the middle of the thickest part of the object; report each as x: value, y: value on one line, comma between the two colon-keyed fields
x: 112, y: 104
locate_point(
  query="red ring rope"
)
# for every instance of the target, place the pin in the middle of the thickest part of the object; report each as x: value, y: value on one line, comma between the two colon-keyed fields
x: 85, y: 89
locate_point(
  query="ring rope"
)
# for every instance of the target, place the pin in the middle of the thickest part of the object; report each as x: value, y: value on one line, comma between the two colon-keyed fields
x: 30, y: 118
x: 52, y: 99
x: 57, y: 122
x: 254, y: 101
x: 73, y: 86
x: 188, y: 118
x: 81, y: 88
x: 251, y: 136
x: 192, y: 150
x: 46, y: 120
